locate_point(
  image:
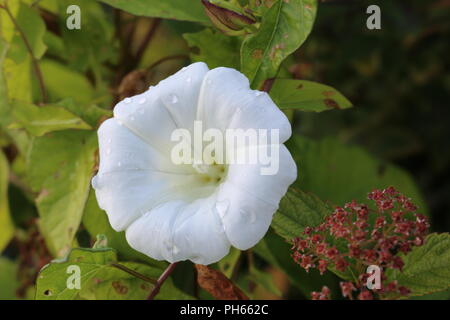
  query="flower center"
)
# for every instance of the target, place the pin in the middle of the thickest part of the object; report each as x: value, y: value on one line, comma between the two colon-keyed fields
x: 211, y: 173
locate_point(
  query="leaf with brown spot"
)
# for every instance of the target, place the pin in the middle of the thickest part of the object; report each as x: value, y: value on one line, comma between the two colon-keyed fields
x: 101, y: 278
x: 284, y: 28
x: 307, y: 96
x: 219, y: 286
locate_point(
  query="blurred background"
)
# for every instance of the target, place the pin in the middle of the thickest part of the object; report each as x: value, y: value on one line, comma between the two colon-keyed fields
x: 397, y: 78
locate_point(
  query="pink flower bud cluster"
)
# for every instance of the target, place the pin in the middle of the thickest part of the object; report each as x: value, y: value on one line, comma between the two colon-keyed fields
x: 355, y: 237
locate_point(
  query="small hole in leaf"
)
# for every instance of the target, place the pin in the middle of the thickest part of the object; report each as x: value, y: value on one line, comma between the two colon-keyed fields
x: 48, y: 292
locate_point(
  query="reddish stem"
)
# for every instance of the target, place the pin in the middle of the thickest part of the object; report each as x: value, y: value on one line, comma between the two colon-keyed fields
x: 161, y: 280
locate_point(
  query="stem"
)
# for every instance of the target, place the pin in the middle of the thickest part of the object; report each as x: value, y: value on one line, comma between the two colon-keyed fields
x: 267, y: 85
x: 161, y: 280
x: 134, y: 273
x: 149, y: 36
x: 158, y: 62
x: 34, y: 62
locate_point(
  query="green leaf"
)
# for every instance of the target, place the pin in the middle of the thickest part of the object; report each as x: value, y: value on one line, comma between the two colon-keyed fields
x: 228, y: 263
x: 427, y: 268
x: 214, y: 48
x: 284, y: 27
x: 60, y: 167
x: 99, y: 278
x: 96, y: 222
x: 8, y: 279
x: 307, y: 96
x: 91, y: 113
x: 6, y: 224
x: 75, y: 86
x: 5, y: 107
x: 297, y: 211
x: 188, y: 10
x: 94, y: 43
x: 41, y: 120
x: 339, y: 173
x: 33, y: 29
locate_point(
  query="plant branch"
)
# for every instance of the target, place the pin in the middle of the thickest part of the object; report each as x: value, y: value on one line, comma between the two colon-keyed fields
x: 34, y: 61
x: 158, y: 62
x: 267, y: 85
x: 161, y: 280
x: 134, y: 273
x: 149, y: 36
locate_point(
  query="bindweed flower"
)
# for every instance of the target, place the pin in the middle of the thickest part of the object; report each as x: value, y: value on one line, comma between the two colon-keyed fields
x: 191, y: 210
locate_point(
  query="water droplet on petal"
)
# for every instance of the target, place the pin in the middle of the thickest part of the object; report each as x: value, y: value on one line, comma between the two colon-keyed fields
x: 222, y: 207
x: 189, y: 79
x: 108, y: 151
x: 174, y: 99
x: 250, y: 216
x: 175, y: 250
x: 120, y: 122
x: 258, y: 93
x: 142, y: 101
x: 127, y: 100
x: 132, y: 118
x: 109, y: 141
x: 119, y: 164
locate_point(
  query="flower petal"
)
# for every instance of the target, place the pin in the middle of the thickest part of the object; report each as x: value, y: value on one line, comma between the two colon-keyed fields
x: 199, y: 233
x: 156, y: 113
x: 177, y: 231
x: 121, y: 150
x: 226, y: 101
x: 151, y: 234
x: 250, y: 199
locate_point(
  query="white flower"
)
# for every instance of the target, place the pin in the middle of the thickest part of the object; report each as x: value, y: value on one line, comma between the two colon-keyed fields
x: 176, y: 212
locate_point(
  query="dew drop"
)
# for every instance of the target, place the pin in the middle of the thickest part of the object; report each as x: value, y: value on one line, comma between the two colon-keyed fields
x: 249, y: 216
x: 222, y: 207
x: 109, y: 141
x: 127, y: 100
x: 175, y: 250
x: 108, y: 151
x: 119, y: 164
x: 174, y: 99
x: 142, y: 101
x: 189, y: 79
x: 120, y: 122
x: 132, y: 118
x: 258, y: 93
